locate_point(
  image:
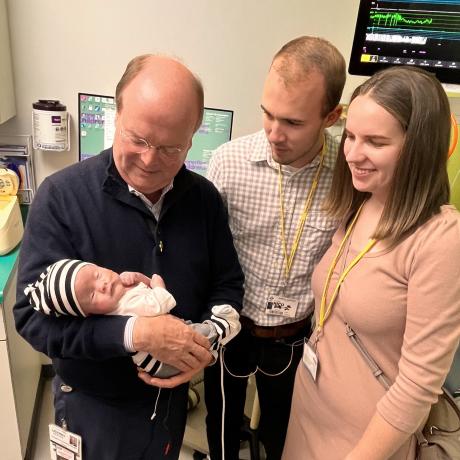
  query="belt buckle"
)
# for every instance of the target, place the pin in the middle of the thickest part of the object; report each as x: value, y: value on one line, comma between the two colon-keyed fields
x: 276, y: 332
x: 254, y: 330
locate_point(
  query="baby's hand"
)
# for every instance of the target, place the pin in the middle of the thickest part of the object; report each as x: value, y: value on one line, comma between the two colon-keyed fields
x: 130, y: 278
x: 157, y: 281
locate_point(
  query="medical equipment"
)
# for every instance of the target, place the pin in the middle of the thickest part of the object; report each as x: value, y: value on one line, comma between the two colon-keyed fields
x: 11, y: 226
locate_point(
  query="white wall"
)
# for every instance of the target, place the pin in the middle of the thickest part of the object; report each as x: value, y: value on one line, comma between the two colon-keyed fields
x: 62, y: 47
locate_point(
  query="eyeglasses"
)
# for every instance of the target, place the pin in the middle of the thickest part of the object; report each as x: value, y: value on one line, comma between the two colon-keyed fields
x: 139, y: 145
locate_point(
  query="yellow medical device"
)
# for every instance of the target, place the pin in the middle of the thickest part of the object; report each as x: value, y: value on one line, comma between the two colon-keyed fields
x: 11, y: 227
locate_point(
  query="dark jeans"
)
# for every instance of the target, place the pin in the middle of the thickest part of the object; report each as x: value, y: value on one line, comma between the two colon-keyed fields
x: 242, y: 356
x: 122, y: 430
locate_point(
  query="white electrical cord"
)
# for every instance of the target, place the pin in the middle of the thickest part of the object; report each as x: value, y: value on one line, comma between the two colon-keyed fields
x: 156, y: 404
x: 222, y: 389
x: 292, y: 345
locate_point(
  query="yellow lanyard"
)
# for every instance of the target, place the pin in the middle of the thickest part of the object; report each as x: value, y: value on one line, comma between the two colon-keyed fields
x: 325, y: 312
x: 289, y: 259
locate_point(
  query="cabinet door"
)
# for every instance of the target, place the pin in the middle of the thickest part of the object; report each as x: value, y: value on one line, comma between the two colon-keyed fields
x: 7, y: 102
x: 9, y: 433
x: 24, y: 365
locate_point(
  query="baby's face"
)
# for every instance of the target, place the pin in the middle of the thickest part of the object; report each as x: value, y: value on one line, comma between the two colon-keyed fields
x: 98, y: 289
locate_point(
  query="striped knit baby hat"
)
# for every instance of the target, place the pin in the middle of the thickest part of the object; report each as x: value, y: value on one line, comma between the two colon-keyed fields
x: 54, y: 292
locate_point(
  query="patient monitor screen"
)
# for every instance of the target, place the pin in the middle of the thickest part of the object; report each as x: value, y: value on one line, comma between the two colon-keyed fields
x: 423, y: 33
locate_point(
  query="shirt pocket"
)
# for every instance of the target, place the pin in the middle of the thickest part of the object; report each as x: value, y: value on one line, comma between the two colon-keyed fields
x: 316, y: 239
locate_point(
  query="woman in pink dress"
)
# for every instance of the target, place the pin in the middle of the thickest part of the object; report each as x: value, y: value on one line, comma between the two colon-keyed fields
x: 392, y: 274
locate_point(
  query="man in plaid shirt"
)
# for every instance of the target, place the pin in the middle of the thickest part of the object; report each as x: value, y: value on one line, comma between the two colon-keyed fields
x: 273, y: 183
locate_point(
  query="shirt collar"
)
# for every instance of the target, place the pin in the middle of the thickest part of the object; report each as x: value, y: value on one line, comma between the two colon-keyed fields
x: 261, y: 149
x: 145, y: 199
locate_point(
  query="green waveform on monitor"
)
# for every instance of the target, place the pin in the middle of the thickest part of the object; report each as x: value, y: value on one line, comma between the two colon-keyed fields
x: 395, y: 19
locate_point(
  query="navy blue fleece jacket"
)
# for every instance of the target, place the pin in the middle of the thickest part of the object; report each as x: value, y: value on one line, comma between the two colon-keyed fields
x: 86, y: 212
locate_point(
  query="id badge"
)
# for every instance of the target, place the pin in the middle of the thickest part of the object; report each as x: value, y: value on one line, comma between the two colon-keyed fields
x: 64, y: 445
x: 281, y: 306
x: 310, y: 360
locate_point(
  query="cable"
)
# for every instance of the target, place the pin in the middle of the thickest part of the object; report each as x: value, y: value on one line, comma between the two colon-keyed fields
x: 292, y: 345
x: 224, y: 365
x: 222, y: 389
x: 156, y: 404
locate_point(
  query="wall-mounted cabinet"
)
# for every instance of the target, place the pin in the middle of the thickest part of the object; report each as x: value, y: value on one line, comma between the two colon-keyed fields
x: 7, y: 101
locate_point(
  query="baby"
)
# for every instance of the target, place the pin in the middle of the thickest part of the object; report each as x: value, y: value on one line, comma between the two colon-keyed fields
x: 74, y: 287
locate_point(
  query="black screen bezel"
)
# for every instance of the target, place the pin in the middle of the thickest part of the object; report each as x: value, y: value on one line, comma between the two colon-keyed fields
x: 356, y: 67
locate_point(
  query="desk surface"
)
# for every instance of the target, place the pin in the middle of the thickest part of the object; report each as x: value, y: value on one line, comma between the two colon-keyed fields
x: 6, y: 267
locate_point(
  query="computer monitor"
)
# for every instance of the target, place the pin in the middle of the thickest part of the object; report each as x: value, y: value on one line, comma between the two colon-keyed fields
x: 215, y: 130
x: 423, y: 33
x: 96, y: 121
x: 96, y: 114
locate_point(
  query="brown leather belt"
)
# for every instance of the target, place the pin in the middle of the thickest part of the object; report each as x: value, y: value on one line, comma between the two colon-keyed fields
x: 275, y: 332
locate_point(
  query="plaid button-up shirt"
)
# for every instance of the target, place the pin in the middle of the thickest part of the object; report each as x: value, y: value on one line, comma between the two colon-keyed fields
x: 247, y: 177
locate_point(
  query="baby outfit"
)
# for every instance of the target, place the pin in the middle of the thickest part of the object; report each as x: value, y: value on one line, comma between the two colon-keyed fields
x: 54, y: 294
